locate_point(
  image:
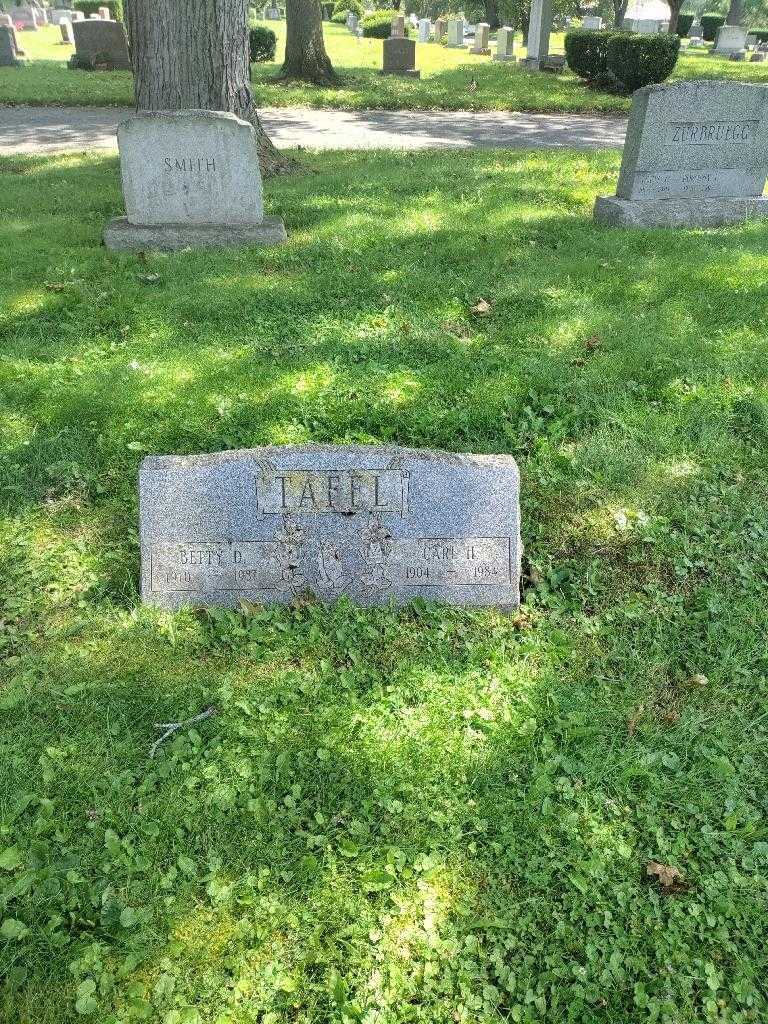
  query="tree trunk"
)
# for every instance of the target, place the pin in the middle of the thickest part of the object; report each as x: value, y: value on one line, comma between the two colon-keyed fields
x: 492, y: 14
x: 674, y: 14
x: 305, y: 55
x: 194, y: 54
x: 619, y: 11
x: 735, y: 13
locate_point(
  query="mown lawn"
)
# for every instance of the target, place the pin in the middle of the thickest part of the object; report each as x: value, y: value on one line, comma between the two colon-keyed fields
x: 450, y: 80
x: 423, y: 814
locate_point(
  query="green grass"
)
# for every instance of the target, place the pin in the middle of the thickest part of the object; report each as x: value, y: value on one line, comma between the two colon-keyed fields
x: 418, y: 815
x: 450, y: 80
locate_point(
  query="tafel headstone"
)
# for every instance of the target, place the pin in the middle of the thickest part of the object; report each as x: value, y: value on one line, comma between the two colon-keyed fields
x: 191, y: 178
x: 100, y: 45
x: 374, y: 523
x: 695, y: 155
x: 505, y: 44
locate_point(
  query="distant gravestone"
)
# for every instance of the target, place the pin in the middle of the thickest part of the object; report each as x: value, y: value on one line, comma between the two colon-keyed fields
x: 696, y: 154
x: 397, y: 30
x: 352, y: 23
x: 593, y: 23
x: 425, y: 30
x: 505, y: 44
x: 191, y: 178
x: 100, y: 45
x: 105, y: 14
x: 441, y: 26
x: 400, y: 57
x: 9, y: 54
x: 27, y: 18
x: 480, y: 45
x: 67, y: 35
x: 730, y: 39
x: 59, y: 14
x: 455, y: 33
x: 376, y: 524
x: 5, y: 20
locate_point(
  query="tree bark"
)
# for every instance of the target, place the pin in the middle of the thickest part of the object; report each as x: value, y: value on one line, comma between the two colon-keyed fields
x: 193, y: 54
x: 492, y: 14
x: 735, y: 13
x: 619, y: 11
x: 674, y: 14
x: 305, y: 55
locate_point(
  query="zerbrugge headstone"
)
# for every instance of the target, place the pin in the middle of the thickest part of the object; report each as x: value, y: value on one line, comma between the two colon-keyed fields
x: 100, y: 45
x: 191, y: 178
x: 373, y: 523
x: 695, y: 155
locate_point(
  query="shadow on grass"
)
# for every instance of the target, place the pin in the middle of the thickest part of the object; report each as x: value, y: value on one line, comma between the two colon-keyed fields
x: 411, y: 810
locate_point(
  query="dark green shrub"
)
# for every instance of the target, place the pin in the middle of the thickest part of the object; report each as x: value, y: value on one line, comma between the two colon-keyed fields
x: 636, y: 60
x: 710, y: 23
x: 378, y: 25
x: 343, y: 6
x: 261, y: 42
x: 340, y: 18
x: 586, y: 51
x: 89, y: 7
x: 684, y: 22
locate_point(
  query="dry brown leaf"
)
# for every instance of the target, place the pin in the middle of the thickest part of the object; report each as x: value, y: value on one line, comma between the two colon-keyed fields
x: 667, y: 876
x: 698, y: 679
x: 593, y: 342
x: 149, y: 278
x: 634, y: 719
x: 481, y: 308
x: 55, y: 287
x: 459, y: 330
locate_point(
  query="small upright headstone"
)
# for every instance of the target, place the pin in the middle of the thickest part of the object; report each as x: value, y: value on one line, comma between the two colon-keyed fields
x: 696, y: 155
x: 67, y: 35
x: 191, y: 178
x: 646, y: 26
x: 505, y: 44
x: 441, y: 26
x: 105, y: 14
x: 9, y: 54
x: 352, y: 23
x: 5, y: 20
x: 59, y: 14
x: 76, y: 16
x: 398, y: 27
x: 759, y: 57
x: 400, y: 57
x: 593, y: 23
x: 100, y: 45
x: 730, y: 39
x: 480, y: 45
x: 455, y: 33
x: 425, y: 30
x: 374, y: 524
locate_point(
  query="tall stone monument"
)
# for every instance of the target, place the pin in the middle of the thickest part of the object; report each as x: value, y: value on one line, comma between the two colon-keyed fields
x: 695, y: 155
x: 376, y: 524
x: 191, y: 179
x: 538, y: 57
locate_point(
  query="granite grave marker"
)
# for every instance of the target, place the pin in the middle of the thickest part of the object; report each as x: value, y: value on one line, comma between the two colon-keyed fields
x: 100, y: 45
x: 9, y: 54
x: 505, y: 44
x: 400, y: 57
x: 480, y: 45
x: 696, y: 154
x: 373, y: 523
x: 191, y: 178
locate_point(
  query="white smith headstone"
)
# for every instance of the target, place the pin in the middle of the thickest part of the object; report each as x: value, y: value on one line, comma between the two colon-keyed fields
x: 696, y: 154
x: 190, y: 178
x: 374, y: 523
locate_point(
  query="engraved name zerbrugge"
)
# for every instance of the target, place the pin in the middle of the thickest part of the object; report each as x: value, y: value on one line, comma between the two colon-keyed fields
x: 376, y: 524
x: 711, y: 133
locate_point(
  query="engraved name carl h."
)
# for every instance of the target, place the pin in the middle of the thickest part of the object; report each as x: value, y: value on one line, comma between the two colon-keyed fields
x: 344, y: 492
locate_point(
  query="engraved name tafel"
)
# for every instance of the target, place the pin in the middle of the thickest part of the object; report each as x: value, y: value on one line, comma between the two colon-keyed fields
x: 371, y: 532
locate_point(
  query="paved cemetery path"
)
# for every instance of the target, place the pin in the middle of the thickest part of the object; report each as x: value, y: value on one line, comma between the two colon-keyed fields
x: 55, y: 129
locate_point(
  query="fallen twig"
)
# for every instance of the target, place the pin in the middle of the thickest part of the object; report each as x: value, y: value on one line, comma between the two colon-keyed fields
x: 172, y: 727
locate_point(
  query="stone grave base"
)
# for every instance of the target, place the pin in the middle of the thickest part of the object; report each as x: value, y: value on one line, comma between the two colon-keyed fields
x: 678, y: 213
x: 76, y: 63
x: 122, y: 236
x: 408, y: 73
x: 504, y: 56
x: 552, y: 63
x: 480, y: 53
